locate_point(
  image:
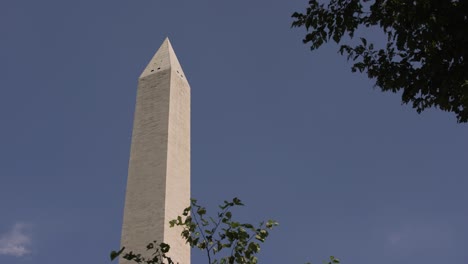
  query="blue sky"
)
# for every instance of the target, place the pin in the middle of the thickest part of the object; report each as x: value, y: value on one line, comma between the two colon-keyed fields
x: 345, y: 169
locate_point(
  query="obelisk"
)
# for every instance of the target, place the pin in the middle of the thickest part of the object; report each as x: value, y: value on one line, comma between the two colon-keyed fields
x: 158, y: 184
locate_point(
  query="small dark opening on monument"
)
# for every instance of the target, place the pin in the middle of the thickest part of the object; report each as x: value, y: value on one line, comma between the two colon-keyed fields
x: 159, y: 68
x: 152, y: 70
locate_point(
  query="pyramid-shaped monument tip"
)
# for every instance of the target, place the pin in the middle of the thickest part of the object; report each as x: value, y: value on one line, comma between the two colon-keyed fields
x: 164, y: 59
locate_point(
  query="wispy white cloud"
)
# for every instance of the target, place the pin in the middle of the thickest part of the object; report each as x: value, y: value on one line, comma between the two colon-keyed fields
x: 15, y: 242
x: 422, y: 236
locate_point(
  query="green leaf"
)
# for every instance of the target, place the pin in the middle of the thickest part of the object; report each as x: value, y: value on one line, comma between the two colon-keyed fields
x: 201, y: 211
x: 115, y: 254
x: 364, y: 41
x: 228, y: 215
x: 259, y: 238
x: 172, y: 223
x: 271, y: 223
x: 237, y: 201
x: 248, y: 226
x: 255, y: 247
x: 164, y: 247
x: 187, y: 211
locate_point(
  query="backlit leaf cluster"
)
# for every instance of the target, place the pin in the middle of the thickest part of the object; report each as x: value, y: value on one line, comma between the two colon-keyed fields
x: 425, y: 51
x: 224, y: 240
x: 159, y: 255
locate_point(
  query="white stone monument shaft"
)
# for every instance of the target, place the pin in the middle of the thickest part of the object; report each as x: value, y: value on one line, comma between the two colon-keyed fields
x: 158, y: 184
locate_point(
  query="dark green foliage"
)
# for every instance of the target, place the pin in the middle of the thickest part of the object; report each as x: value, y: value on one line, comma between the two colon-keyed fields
x: 221, y: 237
x: 224, y: 240
x: 159, y: 255
x: 426, y: 52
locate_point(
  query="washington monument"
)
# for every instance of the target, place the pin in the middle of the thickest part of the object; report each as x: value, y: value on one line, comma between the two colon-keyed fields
x: 158, y: 184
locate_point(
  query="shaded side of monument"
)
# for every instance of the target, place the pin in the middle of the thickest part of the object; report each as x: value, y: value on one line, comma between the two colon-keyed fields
x: 158, y: 184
